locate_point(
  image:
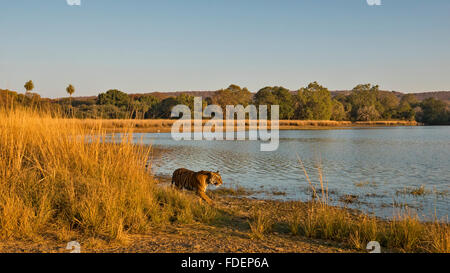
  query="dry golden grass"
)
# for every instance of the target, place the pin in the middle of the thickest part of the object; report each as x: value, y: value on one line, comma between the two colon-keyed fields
x: 260, y: 223
x: 387, y: 123
x: 56, y: 181
x: 165, y: 125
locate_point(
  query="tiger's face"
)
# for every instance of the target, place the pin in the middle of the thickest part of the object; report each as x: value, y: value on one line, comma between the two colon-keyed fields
x: 215, y: 179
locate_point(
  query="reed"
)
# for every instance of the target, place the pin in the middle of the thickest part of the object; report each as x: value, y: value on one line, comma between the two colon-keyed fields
x: 260, y: 223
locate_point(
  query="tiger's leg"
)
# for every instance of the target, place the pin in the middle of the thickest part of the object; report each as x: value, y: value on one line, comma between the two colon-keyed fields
x: 205, y: 197
x: 175, y: 177
x: 175, y: 185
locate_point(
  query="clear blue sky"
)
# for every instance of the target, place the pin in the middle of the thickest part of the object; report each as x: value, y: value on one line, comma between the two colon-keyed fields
x: 144, y: 45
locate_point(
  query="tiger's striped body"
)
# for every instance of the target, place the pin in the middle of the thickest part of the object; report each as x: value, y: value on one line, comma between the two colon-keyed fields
x: 196, y: 181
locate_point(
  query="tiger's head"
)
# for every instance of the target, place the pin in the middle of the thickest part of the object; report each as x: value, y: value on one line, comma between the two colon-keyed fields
x: 215, y: 179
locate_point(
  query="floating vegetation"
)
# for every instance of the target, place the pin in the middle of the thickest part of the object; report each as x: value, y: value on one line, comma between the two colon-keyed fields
x: 349, y: 199
x: 278, y: 193
x: 374, y: 195
x: 415, y: 191
x: 442, y: 193
x: 365, y: 184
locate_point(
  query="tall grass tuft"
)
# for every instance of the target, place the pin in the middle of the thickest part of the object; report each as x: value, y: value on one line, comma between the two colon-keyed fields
x: 439, y: 237
x: 405, y: 232
x: 260, y: 223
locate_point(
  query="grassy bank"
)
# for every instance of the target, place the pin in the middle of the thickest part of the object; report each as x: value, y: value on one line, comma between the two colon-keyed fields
x: 165, y: 125
x: 404, y: 233
x: 349, y: 230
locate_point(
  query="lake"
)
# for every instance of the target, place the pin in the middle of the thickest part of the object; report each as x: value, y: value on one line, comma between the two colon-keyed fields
x: 379, y: 166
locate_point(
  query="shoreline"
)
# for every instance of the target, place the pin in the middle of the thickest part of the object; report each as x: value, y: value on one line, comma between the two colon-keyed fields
x: 165, y: 125
x: 229, y: 233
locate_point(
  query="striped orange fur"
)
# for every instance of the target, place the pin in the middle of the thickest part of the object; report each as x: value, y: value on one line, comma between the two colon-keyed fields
x: 196, y: 181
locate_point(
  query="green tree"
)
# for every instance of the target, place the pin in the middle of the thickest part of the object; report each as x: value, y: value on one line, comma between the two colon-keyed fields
x: 115, y: 100
x: 233, y: 95
x: 148, y: 105
x: 387, y: 104
x: 367, y: 113
x: 187, y: 100
x: 114, y: 97
x: 314, y: 103
x: 164, y: 109
x: 364, y: 100
x: 109, y: 111
x: 345, y: 101
x: 143, y: 106
x: 338, y: 112
x: 70, y: 90
x: 434, y: 112
x: 406, y: 107
x: 276, y: 96
x: 410, y: 99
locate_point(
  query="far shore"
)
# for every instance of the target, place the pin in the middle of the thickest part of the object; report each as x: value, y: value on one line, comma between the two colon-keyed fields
x: 165, y: 125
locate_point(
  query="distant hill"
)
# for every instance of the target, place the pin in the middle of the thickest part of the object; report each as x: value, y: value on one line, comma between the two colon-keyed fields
x: 441, y: 95
x: 164, y: 95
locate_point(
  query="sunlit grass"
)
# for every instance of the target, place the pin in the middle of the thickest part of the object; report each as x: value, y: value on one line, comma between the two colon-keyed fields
x: 260, y: 223
x: 56, y: 180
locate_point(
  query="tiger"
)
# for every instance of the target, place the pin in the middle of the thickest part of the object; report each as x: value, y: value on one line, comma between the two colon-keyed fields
x: 196, y: 181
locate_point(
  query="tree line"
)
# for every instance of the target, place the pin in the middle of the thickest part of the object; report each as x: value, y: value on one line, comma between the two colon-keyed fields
x: 365, y: 102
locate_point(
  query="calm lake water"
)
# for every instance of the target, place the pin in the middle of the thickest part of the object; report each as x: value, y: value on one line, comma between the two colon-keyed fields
x: 376, y: 165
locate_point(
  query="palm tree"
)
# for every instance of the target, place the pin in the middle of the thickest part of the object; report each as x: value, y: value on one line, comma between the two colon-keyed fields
x: 70, y: 90
x: 29, y: 86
